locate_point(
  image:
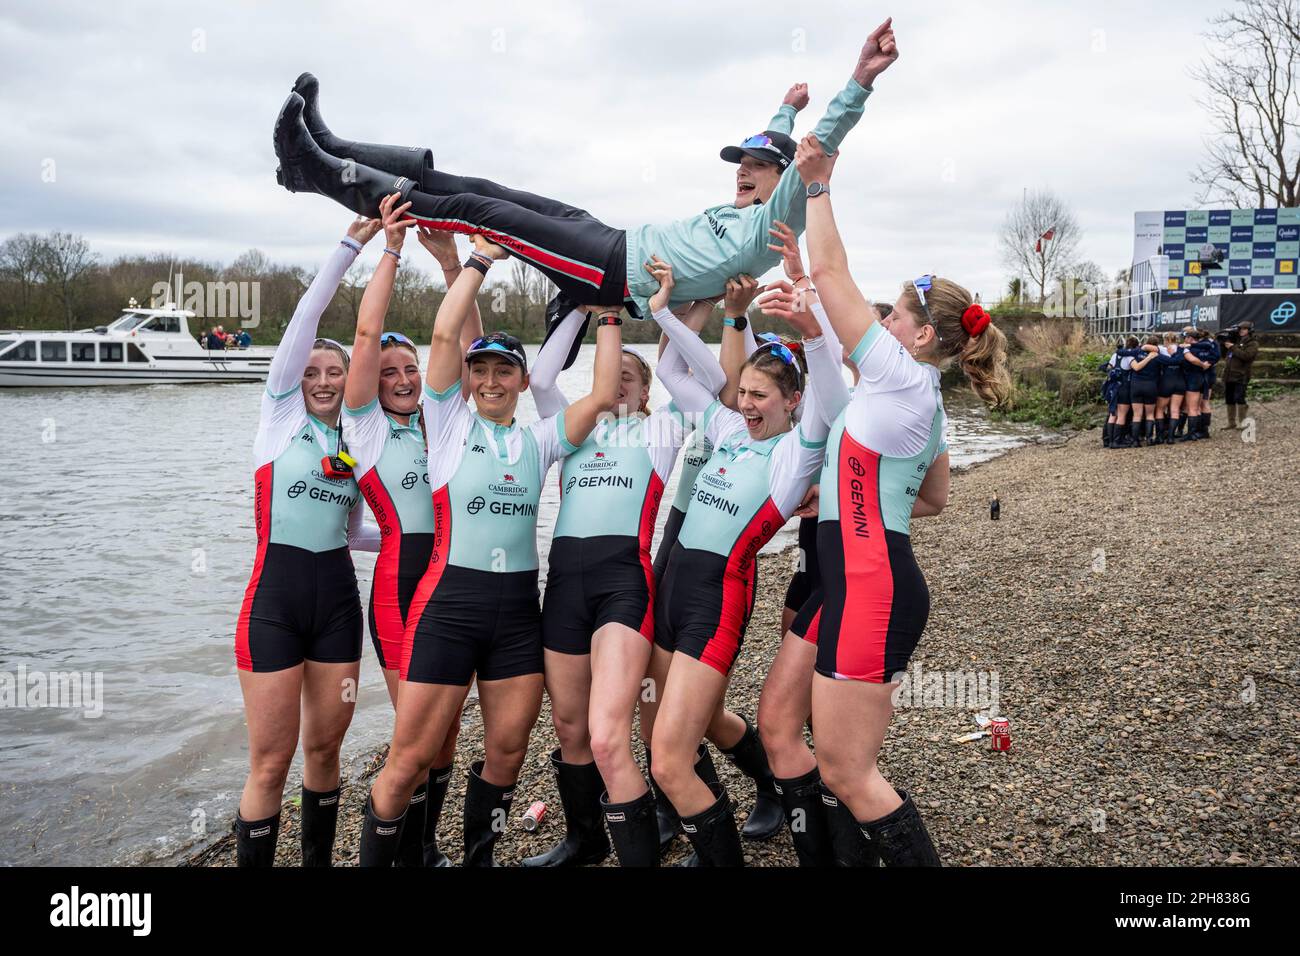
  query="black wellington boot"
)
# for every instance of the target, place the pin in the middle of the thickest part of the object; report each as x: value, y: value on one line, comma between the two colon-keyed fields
x: 1205, y: 425
x: 801, y: 799
x: 585, y: 842
x: 1137, y: 429
x: 487, y: 808
x: 713, y: 834
x: 439, y: 780
x: 706, y: 771
x: 409, y: 161
x: 255, y: 840
x: 848, y: 845
x: 634, y: 829
x: 1106, y: 430
x: 379, y: 838
x: 749, y: 757
x: 901, y: 837
x: 410, y: 851
x: 1150, y: 432
x: 304, y: 167
x: 320, y: 816
x: 556, y: 311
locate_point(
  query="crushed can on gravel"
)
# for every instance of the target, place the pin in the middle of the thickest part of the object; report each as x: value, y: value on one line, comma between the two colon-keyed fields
x: 1000, y: 736
x: 533, y: 816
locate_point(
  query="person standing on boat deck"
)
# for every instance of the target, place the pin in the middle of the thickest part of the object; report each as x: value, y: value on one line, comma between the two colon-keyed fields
x: 385, y: 435
x: 587, y: 259
x: 298, y: 638
x: 475, y: 612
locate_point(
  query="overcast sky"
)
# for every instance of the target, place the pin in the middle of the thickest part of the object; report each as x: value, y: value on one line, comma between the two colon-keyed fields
x: 155, y: 117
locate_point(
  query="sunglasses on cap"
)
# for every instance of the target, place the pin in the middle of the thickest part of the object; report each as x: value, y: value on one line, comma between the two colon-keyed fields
x: 397, y: 337
x: 507, y: 345
x: 922, y: 286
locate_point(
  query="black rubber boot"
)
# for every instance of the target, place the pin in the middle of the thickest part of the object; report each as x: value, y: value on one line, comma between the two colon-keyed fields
x: 487, y: 809
x: 713, y: 834
x: 409, y: 161
x: 585, y: 842
x: 801, y: 799
x: 1150, y: 431
x: 320, y: 817
x: 410, y: 851
x: 1197, y: 428
x: 1106, y: 431
x: 255, y: 840
x: 305, y: 167
x: 439, y: 780
x: 634, y: 830
x: 1205, y: 425
x: 901, y: 837
x: 379, y: 838
x: 1137, y: 430
x: 706, y: 771
x: 556, y: 311
x: 849, y: 847
x: 749, y: 757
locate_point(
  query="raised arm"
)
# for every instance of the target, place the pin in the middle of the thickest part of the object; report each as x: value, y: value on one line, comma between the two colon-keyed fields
x: 294, y: 351
x: 363, y: 373
x: 849, y: 312
x: 737, y: 345
x: 698, y: 356
x: 445, y: 353
x: 689, y: 395
x: 796, y: 98
x: 826, y: 393
x: 442, y: 246
x: 549, y: 363
x: 580, y: 417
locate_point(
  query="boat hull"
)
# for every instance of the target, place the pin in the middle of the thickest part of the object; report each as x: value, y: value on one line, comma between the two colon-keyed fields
x: 27, y: 375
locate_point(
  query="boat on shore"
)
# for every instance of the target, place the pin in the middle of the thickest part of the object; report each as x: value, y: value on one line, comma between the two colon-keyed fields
x: 142, y: 347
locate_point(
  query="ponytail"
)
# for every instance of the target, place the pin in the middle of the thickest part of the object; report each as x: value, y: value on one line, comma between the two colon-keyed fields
x: 965, y: 332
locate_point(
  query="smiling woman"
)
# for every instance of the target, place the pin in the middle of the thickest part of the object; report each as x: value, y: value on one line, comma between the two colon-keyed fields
x: 588, y: 260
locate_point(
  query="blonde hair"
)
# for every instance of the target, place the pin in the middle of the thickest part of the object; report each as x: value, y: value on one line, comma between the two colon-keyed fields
x: 331, y: 346
x: 647, y: 376
x: 983, y: 357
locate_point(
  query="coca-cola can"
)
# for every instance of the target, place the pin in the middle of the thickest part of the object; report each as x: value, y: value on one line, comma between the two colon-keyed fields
x: 533, y: 816
x: 999, y: 734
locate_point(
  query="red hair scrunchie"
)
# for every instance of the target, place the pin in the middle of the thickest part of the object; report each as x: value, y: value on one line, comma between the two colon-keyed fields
x: 975, y: 320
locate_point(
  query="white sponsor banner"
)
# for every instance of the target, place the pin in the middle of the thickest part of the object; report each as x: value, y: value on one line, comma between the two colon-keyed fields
x: 1148, y: 235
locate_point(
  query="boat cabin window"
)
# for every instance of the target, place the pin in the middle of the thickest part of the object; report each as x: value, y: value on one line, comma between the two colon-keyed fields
x: 83, y: 351
x: 133, y: 353
x: 22, y: 352
x: 110, y: 351
x: 54, y: 351
x: 128, y: 322
x: 163, y: 323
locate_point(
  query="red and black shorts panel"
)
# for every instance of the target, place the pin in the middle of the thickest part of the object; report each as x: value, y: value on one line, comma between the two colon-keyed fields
x: 299, y: 605
x: 593, y: 582
x: 807, y: 578
x: 703, y: 607
x: 807, y: 622
x: 875, y: 600
x: 398, y: 571
x: 672, y: 528
x: 464, y: 621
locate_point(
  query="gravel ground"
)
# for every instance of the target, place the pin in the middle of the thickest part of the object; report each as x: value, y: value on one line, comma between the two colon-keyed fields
x: 1138, y: 608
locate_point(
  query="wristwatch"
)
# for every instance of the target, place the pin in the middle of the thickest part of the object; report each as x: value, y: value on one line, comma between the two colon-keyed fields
x: 817, y: 189
x: 738, y: 323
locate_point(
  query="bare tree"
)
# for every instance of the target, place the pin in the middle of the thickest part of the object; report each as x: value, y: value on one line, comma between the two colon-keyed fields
x: 1252, y: 84
x: 20, y: 263
x: 1040, y: 238
x: 65, y: 262
x: 354, y: 286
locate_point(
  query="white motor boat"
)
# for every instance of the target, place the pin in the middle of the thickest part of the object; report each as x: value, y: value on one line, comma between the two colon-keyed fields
x: 143, y: 347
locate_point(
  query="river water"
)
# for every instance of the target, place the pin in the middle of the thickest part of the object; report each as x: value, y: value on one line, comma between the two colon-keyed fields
x: 126, y: 541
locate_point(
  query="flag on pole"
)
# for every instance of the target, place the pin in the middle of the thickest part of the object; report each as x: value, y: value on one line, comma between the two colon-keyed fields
x: 1048, y: 236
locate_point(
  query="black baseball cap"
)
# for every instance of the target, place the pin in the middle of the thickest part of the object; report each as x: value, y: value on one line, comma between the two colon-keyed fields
x: 768, y: 146
x: 500, y: 344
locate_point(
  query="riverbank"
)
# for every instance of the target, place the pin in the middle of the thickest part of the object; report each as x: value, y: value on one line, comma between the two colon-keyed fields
x: 1153, y: 708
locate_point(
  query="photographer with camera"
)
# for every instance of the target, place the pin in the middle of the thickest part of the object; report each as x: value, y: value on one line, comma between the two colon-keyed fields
x: 1241, y: 350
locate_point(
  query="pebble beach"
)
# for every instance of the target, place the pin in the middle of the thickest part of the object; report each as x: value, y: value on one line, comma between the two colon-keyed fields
x: 1133, y: 614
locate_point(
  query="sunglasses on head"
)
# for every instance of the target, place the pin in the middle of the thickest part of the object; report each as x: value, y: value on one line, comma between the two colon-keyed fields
x: 783, y: 352
x: 395, y: 337
x: 922, y: 286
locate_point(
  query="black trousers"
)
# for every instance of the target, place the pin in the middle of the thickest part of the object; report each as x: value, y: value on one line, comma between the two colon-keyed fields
x: 585, y: 258
x: 1234, y: 393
